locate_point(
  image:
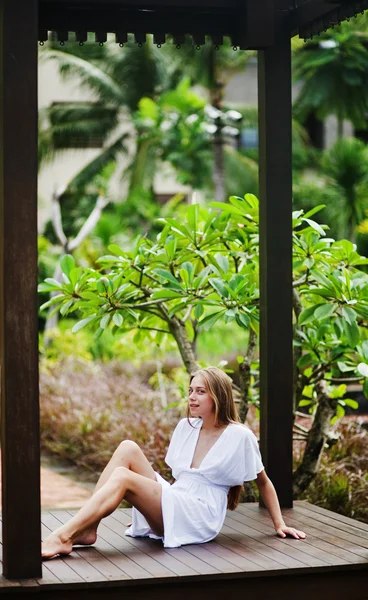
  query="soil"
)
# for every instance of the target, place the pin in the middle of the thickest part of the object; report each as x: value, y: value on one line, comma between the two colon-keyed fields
x: 61, y: 485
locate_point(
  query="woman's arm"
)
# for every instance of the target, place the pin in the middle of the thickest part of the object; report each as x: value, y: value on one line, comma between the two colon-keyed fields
x: 269, y: 497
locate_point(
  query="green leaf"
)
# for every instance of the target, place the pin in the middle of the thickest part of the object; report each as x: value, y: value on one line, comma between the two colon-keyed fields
x: 219, y: 286
x: 304, y: 360
x: 98, y: 333
x: 74, y: 275
x: 223, y: 262
x: 65, y: 307
x: 343, y: 367
x: 171, y: 248
x: 148, y: 109
x: 244, y: 320
x: 47, y: 287
x: 365, y: 349
x: 67, y: 263
x: 105, y: 321
x: 305, y: 402
x: 117, y: 319
x: 308, y: 262
x: 314, y: 210
x: 352, y: 403
x: 184, y: 277
x: 352, y: 333
x: 54, y: 300
x: 116, y: 250
x: 363, y: 369
x: 324, y: 311
x: 211, y: 319
x: 307, y: 315
x: 83, y: 323
x: 198, y: 311
x: 192, y: 217
x: 169, y: 277
x: 165, y: 293
x: 365, y: 388
x: 349, y: 314
x: 54, y: 282
x: 314, y: 226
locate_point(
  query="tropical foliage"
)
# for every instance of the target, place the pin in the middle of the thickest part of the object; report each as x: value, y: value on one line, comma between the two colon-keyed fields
x: 333, y: 70
x: 204, y: 270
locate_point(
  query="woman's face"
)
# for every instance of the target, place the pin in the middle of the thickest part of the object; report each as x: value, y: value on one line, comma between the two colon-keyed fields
x: 200, y: 402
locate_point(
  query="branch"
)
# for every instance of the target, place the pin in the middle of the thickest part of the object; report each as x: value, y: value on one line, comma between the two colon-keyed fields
x: 304, y: 415
x: 154, y: 329
x: 90, y: 223
x: 56, y: 217
x: 187, y: 314
x: 137, y: 306
x: 346, y: 379
x: 300, y: 281
x: 297, y: 305
x: 245, y: 375
x: 301, y: 428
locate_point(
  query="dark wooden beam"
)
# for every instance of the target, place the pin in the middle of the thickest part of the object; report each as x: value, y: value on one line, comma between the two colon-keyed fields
x: 314, y: 17
x: 249, y: 25
x: 275, y: 183
x: 20, y: 445
x: 146, y: 4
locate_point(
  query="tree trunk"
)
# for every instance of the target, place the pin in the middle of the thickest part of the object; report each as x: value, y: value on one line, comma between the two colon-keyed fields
x: 216, y: 99
x: 317, y: 437
x: 179, y: 332
x: 299, y: 379
x: 244, y: 375
x: 219, y: 167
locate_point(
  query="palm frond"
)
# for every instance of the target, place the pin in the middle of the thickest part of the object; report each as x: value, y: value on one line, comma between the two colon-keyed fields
x: 141, y: 72
x: 241, y: 173
x: 98, y: 164
x: 90, y: 75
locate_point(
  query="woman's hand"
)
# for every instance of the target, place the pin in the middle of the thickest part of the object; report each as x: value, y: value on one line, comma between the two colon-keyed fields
x: 284, y: 531
x: 269, y: 497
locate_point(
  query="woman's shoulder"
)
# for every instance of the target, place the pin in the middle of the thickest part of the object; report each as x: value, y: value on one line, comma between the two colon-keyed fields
x: 191, y: 423
x: 242, y: 431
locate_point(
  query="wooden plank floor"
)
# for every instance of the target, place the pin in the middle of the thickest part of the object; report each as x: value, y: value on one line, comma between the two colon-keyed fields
x: 246, y: 549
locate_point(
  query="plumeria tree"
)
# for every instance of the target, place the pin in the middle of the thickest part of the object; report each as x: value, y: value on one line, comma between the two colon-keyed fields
x: 204, y: 269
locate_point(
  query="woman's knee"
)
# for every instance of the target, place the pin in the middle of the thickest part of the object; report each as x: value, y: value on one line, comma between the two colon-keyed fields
x: 120, y: 474
x: 128, y: 447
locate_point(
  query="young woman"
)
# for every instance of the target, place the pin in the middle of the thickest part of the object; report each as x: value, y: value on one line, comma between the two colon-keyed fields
x: 211, y: 454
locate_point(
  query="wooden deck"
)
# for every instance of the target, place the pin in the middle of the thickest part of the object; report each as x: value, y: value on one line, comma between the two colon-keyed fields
x: 245, y: 558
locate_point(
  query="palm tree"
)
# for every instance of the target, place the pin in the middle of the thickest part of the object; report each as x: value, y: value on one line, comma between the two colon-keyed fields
x: 334, y: 72
x: 346, y: 167
x: 111, y: 75
x: 119, y: 80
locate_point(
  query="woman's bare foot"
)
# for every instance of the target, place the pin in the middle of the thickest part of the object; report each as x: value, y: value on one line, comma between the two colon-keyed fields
x: 55, y: 544
x: 86, y: 538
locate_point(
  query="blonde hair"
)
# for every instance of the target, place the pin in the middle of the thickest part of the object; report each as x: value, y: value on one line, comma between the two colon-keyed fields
x: 219, y: 387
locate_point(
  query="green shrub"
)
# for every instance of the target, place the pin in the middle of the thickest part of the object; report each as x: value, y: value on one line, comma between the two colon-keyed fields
x: 341, y: 484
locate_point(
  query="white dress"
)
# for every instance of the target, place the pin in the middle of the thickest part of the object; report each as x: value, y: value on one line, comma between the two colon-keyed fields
x: 194, y: 506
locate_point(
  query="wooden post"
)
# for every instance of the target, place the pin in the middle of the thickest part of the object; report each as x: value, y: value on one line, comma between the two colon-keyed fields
x: 20, y: 445
x: 275, y: 178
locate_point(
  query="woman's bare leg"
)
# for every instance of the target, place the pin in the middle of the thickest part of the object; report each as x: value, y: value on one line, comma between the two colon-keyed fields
x: 142, y: 492
x: 129, y: 455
